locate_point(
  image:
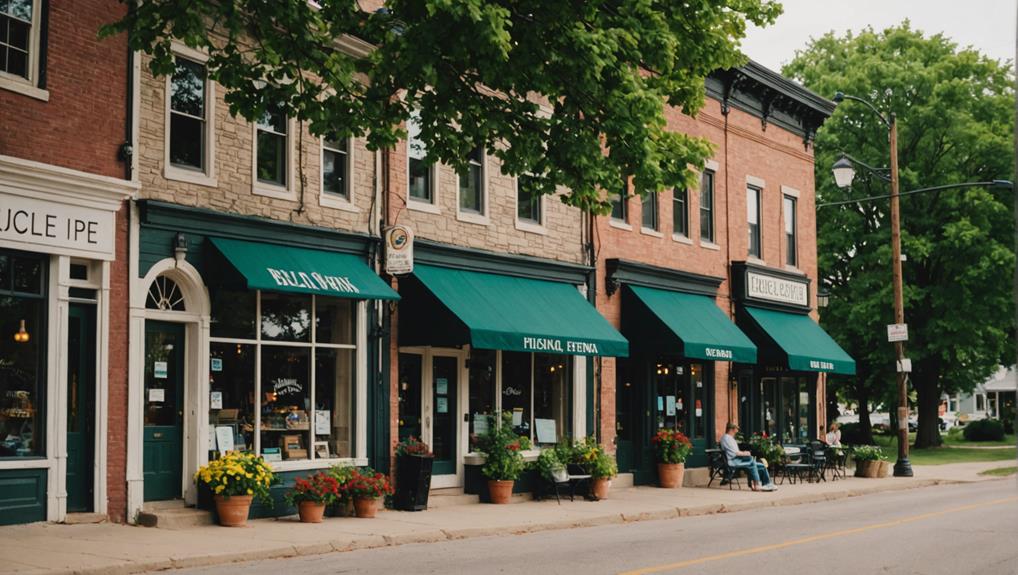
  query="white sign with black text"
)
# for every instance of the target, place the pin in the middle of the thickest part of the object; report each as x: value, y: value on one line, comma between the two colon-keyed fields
x: 777, y: 289
x: 897, y: 332
x: 32, y: 224
x: 399, y: 250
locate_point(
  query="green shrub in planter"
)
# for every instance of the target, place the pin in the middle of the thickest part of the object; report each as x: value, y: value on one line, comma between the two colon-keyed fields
x: 868, y: 453
x: 984, y: 430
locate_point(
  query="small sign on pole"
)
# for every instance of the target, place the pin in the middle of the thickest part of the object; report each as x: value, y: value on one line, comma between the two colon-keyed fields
x: 897, y: 332
x: 399, y: 250
x: 904, y: 365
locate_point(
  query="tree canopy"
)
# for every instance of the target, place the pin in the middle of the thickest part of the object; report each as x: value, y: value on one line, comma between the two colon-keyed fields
x: 955, y: 111
x: 571, y: 92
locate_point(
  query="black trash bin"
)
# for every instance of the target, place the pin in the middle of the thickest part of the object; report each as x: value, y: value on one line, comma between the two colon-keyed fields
x: 413, y: 482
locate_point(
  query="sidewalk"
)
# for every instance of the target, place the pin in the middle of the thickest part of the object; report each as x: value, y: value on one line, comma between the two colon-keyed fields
x: 114, y: 549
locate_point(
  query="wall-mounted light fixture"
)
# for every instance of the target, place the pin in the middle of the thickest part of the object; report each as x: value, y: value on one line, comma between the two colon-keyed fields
x: 22, y: 334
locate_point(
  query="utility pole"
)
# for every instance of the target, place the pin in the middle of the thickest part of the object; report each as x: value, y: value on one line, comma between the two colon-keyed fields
x: 902, y: 467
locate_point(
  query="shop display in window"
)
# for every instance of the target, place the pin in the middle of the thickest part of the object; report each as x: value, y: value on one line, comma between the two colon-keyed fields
x: 22, y: 355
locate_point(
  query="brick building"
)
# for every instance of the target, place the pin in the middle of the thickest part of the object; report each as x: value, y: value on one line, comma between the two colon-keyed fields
x: 712, y: 286
x: 64, y: 114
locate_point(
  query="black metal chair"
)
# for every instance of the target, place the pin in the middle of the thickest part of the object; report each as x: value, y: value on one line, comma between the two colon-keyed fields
x: 573, y: 478
x: 720, y: 468
x: 796, y: 464
x: 818, y: 461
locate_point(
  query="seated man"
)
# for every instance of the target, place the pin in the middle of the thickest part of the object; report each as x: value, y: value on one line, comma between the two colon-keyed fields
x: 743, y: 460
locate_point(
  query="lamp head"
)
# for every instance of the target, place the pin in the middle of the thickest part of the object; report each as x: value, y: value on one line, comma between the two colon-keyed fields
x: 823, y: 298
x: 844, y: 172
x: 839, y: 97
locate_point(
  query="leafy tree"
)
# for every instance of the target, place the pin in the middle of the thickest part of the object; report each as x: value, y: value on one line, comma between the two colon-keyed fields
x: 955, y: 111
x: 572, y: 92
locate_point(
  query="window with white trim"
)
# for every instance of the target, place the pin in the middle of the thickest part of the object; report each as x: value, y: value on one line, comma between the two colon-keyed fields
x: 528, y: 200
x: 471, y: 185
x: 680, y: 212
x: 336, y: 167
x: 980, y: 402
x: 421, y: 174
x: 272, y: 148
x: 649, y: 214
x: 188, y: 113
x: 791, y: 225
x: 753, y: 218
x: 707, y: 206
x: 619, y: 207
x: 282, y: 373
x: 19, y: 38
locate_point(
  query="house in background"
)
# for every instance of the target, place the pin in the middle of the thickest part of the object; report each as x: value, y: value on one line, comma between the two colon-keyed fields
x: 993, y: 397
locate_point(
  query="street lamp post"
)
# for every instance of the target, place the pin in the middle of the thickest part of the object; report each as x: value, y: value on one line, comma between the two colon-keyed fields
x: 902, y: 467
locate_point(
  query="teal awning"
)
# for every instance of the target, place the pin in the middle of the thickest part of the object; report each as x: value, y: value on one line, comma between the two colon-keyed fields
x: 520, y: 314
x: 275, y: 267
x: 807, y: 345
x: 703, y: 330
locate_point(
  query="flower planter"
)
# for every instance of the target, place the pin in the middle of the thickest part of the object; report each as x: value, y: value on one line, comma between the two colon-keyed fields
x: 669, y: 475
x: 600, y: 487
x: 233, y: 510
x: 413, y: 482
x: 885, y: 469
x: 310, y: 511
x: 500, y: 491
x: 365, y: 507
x: 870, y: 469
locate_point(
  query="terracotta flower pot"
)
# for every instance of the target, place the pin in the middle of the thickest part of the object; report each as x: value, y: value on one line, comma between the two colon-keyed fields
x: 669, y: 475
x: 500, y: 491
x: 311, y: 511
x: 600, y: 487
x: 365, y: 507
x: 233, y: 510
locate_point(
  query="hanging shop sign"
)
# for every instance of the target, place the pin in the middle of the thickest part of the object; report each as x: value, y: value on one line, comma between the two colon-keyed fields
x: 399, y: 250
x: 37, y: 225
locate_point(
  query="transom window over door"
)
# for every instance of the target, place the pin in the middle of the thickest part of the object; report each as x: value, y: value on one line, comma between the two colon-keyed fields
x: 271, y: 153
x: 187, y: 115
x: 17, y: 34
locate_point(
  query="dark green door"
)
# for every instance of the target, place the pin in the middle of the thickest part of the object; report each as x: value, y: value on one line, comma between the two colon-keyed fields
x: 445, y: 380
x: 164, y: 401
x: 683, y: 394
x: 80, y: 407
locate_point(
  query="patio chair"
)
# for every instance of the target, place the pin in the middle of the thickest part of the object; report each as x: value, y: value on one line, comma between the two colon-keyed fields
x: 728, y: 474
x: 572, y: 478
x: 818, y: 461
x: 796, y: 464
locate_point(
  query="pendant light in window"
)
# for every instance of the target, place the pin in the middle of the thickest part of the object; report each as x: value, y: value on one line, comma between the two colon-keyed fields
x: 22, y: 334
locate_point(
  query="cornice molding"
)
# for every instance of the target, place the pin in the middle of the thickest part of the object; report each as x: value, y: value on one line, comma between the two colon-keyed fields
x: 41, y: 181
x: 619, y: 272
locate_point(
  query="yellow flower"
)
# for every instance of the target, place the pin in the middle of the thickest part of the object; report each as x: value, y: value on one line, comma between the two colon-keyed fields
x: 249, y: 492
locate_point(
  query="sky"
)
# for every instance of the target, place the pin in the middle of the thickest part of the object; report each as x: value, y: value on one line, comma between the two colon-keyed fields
x: 986, y: 25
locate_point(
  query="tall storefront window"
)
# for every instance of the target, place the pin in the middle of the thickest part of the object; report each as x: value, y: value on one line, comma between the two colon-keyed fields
x: 535, y: 389
x: 282, y: 375
x: 482, y: 404
x: 769, y: 406
x: 22, y: 354
x: 795, y: 399
x: 680, y: 400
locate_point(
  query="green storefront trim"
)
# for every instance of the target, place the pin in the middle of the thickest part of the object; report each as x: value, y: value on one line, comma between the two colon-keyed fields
x: 703, y: 330
x: 22, y: 496
x: 521, y: 314
x: 805, y: 344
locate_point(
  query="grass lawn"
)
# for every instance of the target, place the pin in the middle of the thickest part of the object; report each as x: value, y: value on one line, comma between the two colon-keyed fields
x: 959, y: 440
x: 942, y: 455
x: 1000, y: 471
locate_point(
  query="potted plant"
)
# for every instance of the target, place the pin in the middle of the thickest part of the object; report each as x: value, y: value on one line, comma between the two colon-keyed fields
x: 601, y: 466
x: 312, y: 494
x: 364, y: 487
x: 503, y: 461
x: 671, y: 447
x: 234, y: 480
x: 867, y: 460
x: 413, y: 474
x: 343, y: 505
x: 766, y: 449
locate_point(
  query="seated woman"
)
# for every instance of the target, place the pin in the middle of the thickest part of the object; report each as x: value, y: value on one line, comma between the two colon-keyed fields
x: 759, y: 479
x: 833, y: 436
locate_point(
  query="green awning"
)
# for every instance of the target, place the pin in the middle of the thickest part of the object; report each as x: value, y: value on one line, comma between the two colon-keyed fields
x: 521, y: 314
x: 807, y: 345
x: 274, y: 267
x: 704, y: 331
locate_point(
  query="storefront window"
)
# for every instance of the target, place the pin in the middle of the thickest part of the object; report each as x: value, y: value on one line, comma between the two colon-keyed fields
x: 680, y: 397
x: 516, y: 383
x: 410, y: 371
x: 22, y: 348
x: 482, y: 392
x: 269, y: 358
x: 769, y: 406
x: 789, y: 395
x: 699, y: 413
x: 551, y: 396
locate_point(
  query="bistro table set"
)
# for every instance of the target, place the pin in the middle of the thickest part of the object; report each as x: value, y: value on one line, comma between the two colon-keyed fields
x: 810, y: 462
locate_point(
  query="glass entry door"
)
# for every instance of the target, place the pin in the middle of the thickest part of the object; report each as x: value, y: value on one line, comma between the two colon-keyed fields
x: 683, y: 392
x: 444, y: 383
x: 164, y: 409
x: 429, y: 407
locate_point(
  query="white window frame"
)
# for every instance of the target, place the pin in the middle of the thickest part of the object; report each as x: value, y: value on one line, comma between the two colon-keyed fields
x: 412, y: 203
x: 980, y: 398
x: 761, y: 186
x: 656, y: 230
x: 328, y: 199
x: 358, y: 406
x: 30, y: 86
x: 259, y: 188
x: 794, y: 194
x: 531, y: 226
x: 206, y: 177
x: 480, y: 218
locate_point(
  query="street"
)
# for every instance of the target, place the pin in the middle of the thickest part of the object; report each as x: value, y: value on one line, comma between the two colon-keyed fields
x: 949, y: 529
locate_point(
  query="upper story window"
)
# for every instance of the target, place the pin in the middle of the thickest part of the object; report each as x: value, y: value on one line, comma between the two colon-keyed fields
x: 471, y: 185
x: 791, y: 225
x: 336, y: 167
x: 707, y: 207
x: 680, y: 212
x: 619, y: 207
x: 649, y: 215
x: 421, y: 174
x: 18, y: 37
x: 528, y: 201
x: 271, y: 147
x: 753, y: 217
x: 187, y: 116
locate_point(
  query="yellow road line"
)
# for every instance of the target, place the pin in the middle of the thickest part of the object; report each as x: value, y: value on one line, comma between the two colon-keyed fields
x: 811, y: 539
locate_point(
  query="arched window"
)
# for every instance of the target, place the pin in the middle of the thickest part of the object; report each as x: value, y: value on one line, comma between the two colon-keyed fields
x: 165, y: 295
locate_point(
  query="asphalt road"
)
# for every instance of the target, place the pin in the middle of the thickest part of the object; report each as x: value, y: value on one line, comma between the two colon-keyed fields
x: 952, y: 530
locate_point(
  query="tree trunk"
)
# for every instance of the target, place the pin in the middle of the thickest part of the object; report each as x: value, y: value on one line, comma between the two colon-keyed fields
x: 865, y: 427
x: 928, y: 434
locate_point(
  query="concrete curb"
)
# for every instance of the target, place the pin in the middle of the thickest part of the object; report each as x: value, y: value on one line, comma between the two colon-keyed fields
x: 434, y: 536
